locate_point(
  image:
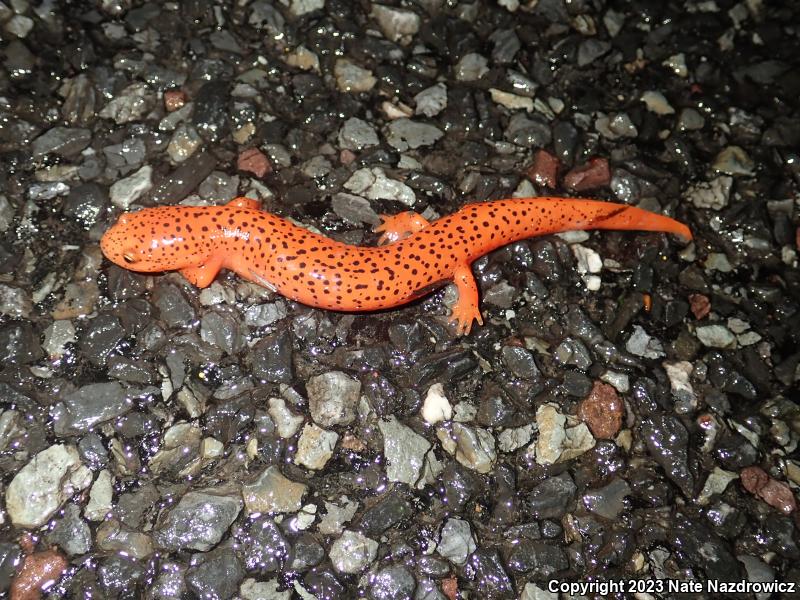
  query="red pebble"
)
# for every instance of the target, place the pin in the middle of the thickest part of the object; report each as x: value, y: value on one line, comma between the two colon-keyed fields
x: 253, y: 161
x: 776, y: 493
x: 602, y: 410
x: 544, y: 169
x: 39, y: 570
x: 592, y: 175
x: 174, y: 99
x: 700, y: 305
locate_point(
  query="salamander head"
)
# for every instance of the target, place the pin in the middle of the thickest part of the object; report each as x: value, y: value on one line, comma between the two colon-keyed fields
x: 155, y: 239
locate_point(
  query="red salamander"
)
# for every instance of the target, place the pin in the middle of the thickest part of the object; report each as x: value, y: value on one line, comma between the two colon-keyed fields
x: 414, y: 257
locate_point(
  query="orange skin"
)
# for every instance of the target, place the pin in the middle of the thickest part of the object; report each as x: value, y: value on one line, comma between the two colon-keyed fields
x: 415, y: 256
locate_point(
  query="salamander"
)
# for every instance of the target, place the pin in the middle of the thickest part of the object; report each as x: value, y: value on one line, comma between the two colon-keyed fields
x: 413, y: 256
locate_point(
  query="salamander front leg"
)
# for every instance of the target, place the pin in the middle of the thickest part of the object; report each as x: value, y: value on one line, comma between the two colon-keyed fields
x: 400, y: 226
x: 203, y: 275
x: 466, y: 309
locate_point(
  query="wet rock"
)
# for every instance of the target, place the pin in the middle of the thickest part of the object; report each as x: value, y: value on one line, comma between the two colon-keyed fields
x: 491, y: 579
x: 285, y: 420
x: 552, y: 498
x: 100, y: 497
x: 436, y: 407
x: 557, y: 442
x: 775, y: 493
x: 715, y: 484
x: 93, y: 404
x: 85, y: 203
x: 390, y: 583
x: 44, y: 484
x: 71, y: 533
x: 471, y: 67
x: 264, y: 546
x: 38, y: 570
x: 199, y: 520
x: 101, y: 337
x: 608, y: 501
x: 431, y: 101
x: 405, y: 451
x: 690, y: 120
x: 178, y: 184
x: 397, y: 24
x: 61, y: 141
x: 667, y: 441
x: 573, y: 352
x: 261, y: 315
x: 210, y: 116
x: 185, y: 142
x: 544, y: 169
x: 657, y: 103
x: 315, y: 447
x: 602, y: 411
x: 354, y: 209
x: 527, y: 132
x: 336, y: 515
x: 733, y: 160
x: 473, y: 447
x: 19, y: 343
x: 641, y: 344
x: 713, y: 194
x: 715, y: 336
x: 539, y: 559
x: 173, y: 306
x: 352, y: 552
x: 221, y: 330
x: 404, y: 134
x: 126, y: 191
x: 15, y: 302
x: 114, y: 537
x: 271, y: 492
x: 307, y: 553
x: 352, y: 78
x: 456, y: 541
x: 217, y: 576
x: 332, y: 398
x: 357, y: 134
x: 254, y: 161
x: 390, y: 511
x: 700, y: 305
x: 592, y: 175
x: 591, y: 49
x: 375, y: 185
x: 131, y: 104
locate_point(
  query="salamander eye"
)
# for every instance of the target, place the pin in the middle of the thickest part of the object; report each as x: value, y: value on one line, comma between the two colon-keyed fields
x: 129, y: 257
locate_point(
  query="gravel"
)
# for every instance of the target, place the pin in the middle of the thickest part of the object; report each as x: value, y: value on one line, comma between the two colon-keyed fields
x: 628, y: 408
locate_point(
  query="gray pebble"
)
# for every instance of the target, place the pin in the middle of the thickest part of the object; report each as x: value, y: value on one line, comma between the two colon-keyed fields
x: 395, y: 582
x: 93, y: 404
x: 199, y: 520
x: 405, y: 451
x: 62, y: 141
x: 71, y: 533
x: 352, y: 552
x: 217, y: 576
x: 332, y: 398
x: 357, y: 134
x: 609, y: 500
x: 404, y: 134
x: 456, y: 541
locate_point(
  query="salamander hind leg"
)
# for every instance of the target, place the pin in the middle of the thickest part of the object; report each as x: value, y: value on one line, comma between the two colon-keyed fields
x: 398, y: 227
x: 203, y: 275
x: 466, y: 309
